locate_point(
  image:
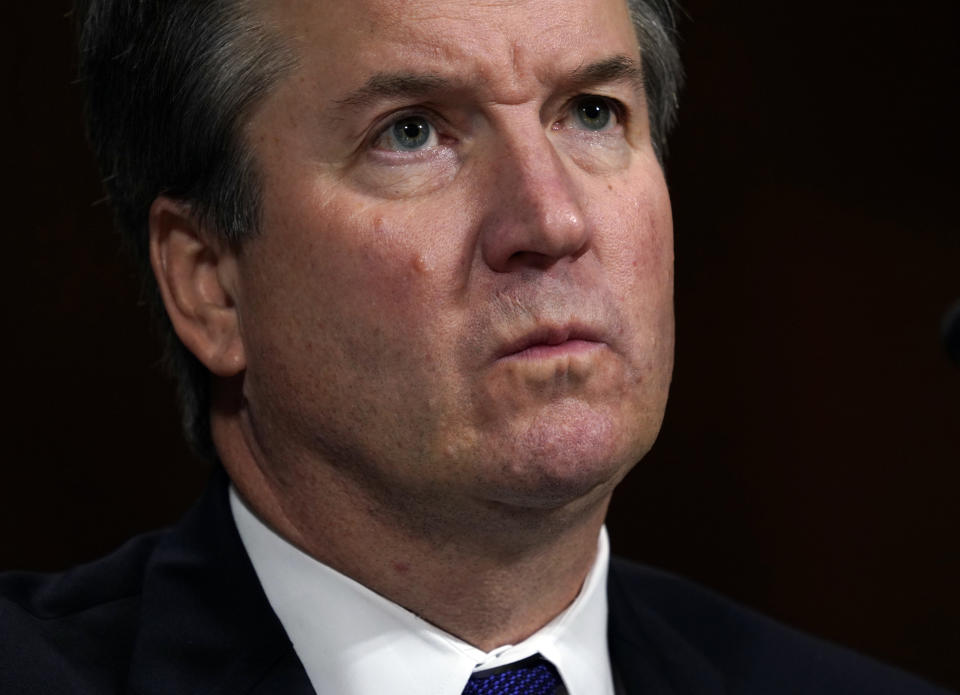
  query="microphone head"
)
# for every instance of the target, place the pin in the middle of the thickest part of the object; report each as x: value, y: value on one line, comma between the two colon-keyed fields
x: 950, y: 328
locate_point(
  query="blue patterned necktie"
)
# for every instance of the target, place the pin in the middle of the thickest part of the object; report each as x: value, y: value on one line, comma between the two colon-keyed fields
x: 532, y: 676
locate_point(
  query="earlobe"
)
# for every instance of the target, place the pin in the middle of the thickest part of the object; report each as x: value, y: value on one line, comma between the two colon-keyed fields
x: 195, y: 273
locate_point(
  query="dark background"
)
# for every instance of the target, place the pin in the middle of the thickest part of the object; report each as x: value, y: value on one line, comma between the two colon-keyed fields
x: 808, y: 465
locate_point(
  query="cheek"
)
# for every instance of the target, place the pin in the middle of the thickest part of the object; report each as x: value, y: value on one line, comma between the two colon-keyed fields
x: 343, y: 306
x: 636, y: 242
x: 637, y: 251
x: 360, y: 278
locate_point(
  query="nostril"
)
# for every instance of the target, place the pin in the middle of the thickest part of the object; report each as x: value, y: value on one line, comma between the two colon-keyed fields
x: 530, y: 259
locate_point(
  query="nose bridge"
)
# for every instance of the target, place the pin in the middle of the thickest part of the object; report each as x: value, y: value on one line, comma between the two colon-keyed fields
x: 534, y: 210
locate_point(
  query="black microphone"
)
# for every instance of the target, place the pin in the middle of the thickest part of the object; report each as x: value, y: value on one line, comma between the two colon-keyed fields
x: 950, y: 328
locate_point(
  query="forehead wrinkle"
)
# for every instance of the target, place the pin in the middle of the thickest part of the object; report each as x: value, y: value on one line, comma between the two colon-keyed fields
x: 497, y: 60
x: 505, y: 70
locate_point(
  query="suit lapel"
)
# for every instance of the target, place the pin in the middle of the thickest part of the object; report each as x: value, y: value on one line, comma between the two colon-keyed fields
x: 206, y: 624
x: 648, y: 656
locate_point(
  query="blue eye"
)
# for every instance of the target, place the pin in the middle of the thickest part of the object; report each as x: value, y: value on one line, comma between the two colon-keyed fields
x: 410, y: 133
x: 593, y: 113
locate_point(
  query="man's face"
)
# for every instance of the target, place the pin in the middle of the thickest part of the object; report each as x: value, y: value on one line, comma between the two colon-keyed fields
x: 462, y: 288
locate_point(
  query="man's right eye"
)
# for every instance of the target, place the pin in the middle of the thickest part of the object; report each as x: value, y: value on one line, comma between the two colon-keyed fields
x: 408, y: 134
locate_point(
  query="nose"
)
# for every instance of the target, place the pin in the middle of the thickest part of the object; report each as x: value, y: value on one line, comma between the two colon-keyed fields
x: 533, y: 215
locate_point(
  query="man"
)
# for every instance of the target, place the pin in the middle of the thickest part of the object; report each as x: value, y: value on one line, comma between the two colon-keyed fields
x: 416, y: 263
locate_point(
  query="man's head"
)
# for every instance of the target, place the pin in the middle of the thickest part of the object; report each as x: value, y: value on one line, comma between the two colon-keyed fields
x: 170, y: 86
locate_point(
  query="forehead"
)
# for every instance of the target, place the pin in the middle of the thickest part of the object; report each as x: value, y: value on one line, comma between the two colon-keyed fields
x: 501, y: 44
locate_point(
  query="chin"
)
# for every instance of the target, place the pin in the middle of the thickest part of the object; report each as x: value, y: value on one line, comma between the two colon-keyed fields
x: 554, y: 462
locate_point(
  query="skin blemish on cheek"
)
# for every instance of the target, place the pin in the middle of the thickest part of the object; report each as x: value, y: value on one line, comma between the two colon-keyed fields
x: 419, y: 264
x: 401, y: 567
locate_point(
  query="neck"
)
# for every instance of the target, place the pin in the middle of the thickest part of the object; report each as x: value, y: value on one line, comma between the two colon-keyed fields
x: 488, y: 574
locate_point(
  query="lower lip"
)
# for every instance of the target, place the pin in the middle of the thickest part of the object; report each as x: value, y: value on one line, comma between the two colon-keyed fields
x: 564, y: 349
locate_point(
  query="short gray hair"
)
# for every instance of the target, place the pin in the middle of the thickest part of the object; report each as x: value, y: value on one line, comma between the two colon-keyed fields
x: 655, y: 23
x: 167, y: 87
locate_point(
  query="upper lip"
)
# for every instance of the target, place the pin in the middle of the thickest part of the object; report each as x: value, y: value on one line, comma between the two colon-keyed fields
x: 550, y: 335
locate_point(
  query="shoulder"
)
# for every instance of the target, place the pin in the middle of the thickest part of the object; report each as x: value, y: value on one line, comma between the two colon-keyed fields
x: 175, y: 611
x: 76, y: 628
x: 743, y: 650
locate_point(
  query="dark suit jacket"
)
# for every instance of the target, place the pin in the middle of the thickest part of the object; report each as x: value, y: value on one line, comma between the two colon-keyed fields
x: 181, y: 611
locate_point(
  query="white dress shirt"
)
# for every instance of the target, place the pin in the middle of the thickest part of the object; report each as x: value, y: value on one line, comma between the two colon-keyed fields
x: 352, y: 641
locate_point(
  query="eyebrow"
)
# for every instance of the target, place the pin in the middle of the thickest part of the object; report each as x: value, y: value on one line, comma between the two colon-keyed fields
x: 618, y: 68
x: 394, y: 84
x: 390, y: 85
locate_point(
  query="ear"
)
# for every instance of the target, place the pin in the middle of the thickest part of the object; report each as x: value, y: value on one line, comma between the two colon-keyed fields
x: 196, y: 273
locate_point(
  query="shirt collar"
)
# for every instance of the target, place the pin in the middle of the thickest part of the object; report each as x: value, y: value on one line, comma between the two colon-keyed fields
x: 352, y: 641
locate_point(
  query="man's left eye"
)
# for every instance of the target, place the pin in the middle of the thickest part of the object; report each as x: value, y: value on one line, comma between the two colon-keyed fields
x: 594, y: 113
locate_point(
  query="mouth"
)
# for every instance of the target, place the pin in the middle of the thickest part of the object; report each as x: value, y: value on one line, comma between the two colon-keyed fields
x: 549, y: 342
